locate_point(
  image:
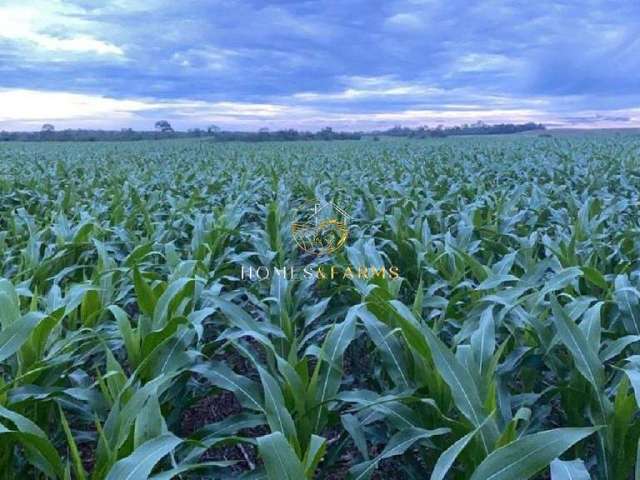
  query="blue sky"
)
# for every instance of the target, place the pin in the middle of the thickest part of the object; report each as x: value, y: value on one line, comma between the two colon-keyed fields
x: 349, y: 64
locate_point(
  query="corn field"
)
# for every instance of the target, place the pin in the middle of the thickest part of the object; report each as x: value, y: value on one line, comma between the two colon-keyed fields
x: 494, y: 336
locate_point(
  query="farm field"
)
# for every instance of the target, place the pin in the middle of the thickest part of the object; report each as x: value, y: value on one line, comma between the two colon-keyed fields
x: 462, y: 309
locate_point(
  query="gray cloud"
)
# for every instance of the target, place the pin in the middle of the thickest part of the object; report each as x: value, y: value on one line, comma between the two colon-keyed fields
x: 356, y: 63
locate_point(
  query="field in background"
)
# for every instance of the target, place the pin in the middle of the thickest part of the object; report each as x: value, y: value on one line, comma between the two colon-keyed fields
x: 133, y: 345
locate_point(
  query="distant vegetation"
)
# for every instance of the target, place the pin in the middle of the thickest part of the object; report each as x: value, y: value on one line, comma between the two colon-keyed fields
x: 479, y: 128
x: 163, y: 130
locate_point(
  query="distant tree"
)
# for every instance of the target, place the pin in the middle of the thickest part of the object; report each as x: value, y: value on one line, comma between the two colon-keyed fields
x: 438, y: 132
x: 213, y: 129
x: 325, y: 134
x: 163, y: 126
x: 47, y: 127
x: 263, y: 130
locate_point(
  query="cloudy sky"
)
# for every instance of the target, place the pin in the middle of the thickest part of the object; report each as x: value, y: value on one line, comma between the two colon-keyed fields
x: 350, y: 64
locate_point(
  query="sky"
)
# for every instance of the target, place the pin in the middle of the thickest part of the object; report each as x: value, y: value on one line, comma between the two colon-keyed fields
x: 348, y: 64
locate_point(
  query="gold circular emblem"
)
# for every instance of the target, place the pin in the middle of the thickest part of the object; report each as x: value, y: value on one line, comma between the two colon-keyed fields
x: 325, y: 237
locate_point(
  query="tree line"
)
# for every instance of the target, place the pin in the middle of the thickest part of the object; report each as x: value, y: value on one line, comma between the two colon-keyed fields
x: 164, y: 130
x: 478, y: 128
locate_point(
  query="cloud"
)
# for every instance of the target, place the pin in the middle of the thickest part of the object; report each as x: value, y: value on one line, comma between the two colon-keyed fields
x: 77, y: 44
x: 483, y: 62
x: 208, y: 58
x: 33, y: 106
x: 311, y: 64
x: 368, y: 88
x: 28, y: 109
x: 597, y: 119
x: 405, y: 21
x: 28, y: 25
x: 21, y: 108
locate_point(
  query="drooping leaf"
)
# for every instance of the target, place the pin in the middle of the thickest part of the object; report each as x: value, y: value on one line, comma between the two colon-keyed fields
x: 526, y: 456
x: 569, y: 470
x: 140, y: 463
x: 397, y: 445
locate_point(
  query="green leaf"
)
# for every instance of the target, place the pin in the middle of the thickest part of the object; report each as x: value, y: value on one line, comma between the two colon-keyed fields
x: 594, y: 276
x: 389, y: 346
x: 40, y: 451
x: 140, y: 463
x: 495, y: 281
x: 16, y: 333
x: 483, y: 340
x: 175, y: 472
x: 449, y: 456
x: 169, y: 301
x: 130, y: 337
x: 247, y: 391
x: 149, y: 422
x: 628, y: 300
x: 634, y: 378
x: 90, y: 308
x: 565, y: 470
x: 397, y: 445
x: 584, y: 356
x: 279, y: 458
x: 328, y: 373
x: 277, y: 414
x: 354, y: 427
x: 560, y: 280
x: 219, y: 431
x: 314, y: 454
x: 145, y: 295
x: 615, y: 347
x: 10, y: 311
x: 463, y: 388
x: 78, y: 468
x: 591, y: 325
x: 528, y: 455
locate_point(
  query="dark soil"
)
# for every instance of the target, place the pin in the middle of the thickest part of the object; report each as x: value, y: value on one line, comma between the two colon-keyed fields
x: 214, y: 409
